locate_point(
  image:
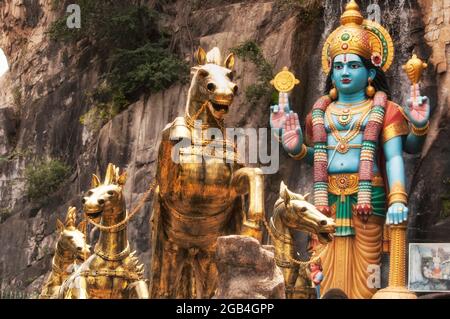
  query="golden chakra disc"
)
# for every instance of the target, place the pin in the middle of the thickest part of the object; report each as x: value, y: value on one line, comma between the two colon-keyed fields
x: 285, y: 81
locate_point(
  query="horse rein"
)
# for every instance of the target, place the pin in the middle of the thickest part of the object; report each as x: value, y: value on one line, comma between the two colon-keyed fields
x: 123, y: 224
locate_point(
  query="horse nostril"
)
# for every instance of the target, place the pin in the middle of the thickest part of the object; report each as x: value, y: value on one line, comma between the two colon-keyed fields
x: 101, y: 201
x: 323, y: 223
x: 235, y: 90
x: 211, y: 87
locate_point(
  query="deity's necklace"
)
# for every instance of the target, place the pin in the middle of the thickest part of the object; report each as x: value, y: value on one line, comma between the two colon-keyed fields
x: 343, y: 141
x: 345, y: 115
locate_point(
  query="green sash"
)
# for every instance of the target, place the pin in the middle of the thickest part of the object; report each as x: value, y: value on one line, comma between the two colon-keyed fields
x: 344, y: 221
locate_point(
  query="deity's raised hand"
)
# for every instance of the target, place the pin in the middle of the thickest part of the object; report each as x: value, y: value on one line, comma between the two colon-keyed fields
x: 278, y: 112
x: 287, y: 124
x: 418, y: 107
x: 292, y: 137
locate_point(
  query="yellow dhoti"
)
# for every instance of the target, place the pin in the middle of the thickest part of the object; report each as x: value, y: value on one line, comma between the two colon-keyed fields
x: 346, y: 260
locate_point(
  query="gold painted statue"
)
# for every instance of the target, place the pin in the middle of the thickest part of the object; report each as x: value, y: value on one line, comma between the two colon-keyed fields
x: 293, y: 212
x: 70, y: 250
x: 112, y: 272
x: 200, y: 197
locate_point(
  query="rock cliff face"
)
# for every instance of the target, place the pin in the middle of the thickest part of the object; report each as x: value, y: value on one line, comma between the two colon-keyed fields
x: 43, y: 96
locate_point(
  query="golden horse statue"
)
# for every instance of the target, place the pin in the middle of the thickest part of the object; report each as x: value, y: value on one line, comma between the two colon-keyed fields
x: 200, y: 198
x: 293, y: 212
x: 112, y: 272
x: 70, y: 250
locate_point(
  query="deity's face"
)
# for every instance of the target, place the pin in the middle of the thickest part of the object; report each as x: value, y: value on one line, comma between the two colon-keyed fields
x: 350, y: 75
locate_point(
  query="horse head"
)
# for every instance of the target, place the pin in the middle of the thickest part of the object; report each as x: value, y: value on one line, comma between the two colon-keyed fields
x: 71, y: 237
x: 106, y: 200
x: 212, y: 83
x: 301, y: 215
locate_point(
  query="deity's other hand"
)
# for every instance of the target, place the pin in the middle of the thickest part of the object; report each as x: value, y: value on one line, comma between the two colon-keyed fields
x: 292, y: 134
x: 364, y: 211
x: 418, y: 108
x: 278, y: 112
x: 397, y: 214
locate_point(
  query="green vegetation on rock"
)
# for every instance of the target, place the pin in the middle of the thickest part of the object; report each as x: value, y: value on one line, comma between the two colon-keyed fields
x: 44, y: 178
x: 250, y: 51
x: 136, y: 50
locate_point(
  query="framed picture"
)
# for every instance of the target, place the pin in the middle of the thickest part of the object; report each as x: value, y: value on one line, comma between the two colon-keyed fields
x: 429, y: 267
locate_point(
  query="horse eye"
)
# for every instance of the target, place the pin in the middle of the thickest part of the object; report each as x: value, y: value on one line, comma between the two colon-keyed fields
x: 111, y: 193
x: 90, y: 193
x: 303, y: 209
x: 230, y: 76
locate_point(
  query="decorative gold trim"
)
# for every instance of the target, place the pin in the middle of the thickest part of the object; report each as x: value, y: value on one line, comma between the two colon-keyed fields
x: 343, y: 141
x: 114, y: 257
x: 344, y: 223
x: 302, y: 154
x: 397, y: 197
x: 349, y: 146
x: 398, y: 194
x: 354, y: 107
x: 394, y: 130
x: 347, y: 184
x: 420, y: 131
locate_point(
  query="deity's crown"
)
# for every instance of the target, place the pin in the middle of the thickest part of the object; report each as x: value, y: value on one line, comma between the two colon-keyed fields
x: 359, y: 36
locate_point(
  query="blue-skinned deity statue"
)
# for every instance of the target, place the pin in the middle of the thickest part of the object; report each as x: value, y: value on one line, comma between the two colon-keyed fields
x: 355, y: 137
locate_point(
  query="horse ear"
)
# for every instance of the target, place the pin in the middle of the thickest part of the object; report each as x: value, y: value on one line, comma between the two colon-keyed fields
x: 59, y: 225
x: 95, y: 182
x: 82, y: 226
x: 122, y: 179
x: 284, y: 193
x: 200, y: 55
x: 306, y: 196
x: 283, y: 188
x: 229, y: 62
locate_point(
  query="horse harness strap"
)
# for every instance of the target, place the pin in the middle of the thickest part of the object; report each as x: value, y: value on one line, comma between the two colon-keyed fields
x: 58, y: 271
x: 116, y: 257
x: 285, y: 264
x: 104, y: 294
x: 125, y: 274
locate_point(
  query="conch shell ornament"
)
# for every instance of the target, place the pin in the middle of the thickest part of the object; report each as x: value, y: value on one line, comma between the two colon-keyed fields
x: 414, y: 68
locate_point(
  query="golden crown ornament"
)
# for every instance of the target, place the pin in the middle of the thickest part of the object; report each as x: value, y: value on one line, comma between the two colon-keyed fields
x: 359, y: 36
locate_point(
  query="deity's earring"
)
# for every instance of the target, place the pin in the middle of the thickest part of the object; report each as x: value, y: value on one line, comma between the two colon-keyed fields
x: 334, y: 92
x: 370, y: 91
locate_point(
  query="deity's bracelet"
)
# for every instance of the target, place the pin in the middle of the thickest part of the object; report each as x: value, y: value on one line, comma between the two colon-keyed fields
x: 398, y: 198
x: 420, y: 131
x: 302, y: 154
